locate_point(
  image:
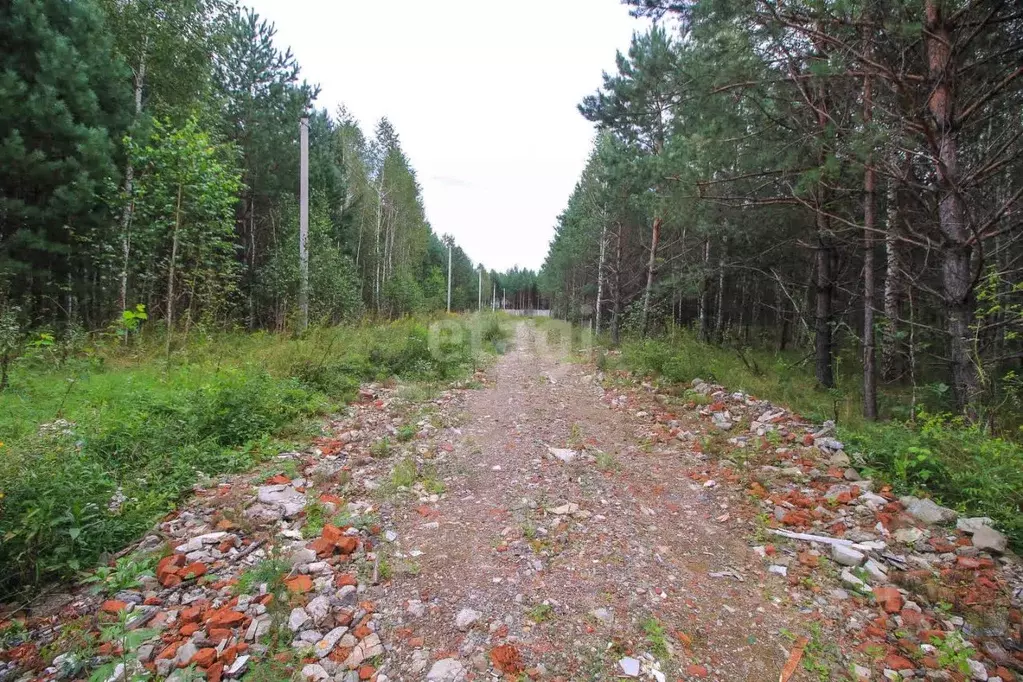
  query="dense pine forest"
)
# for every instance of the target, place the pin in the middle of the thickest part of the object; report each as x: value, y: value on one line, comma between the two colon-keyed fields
x: 150, y: 157
x: 840, y: 179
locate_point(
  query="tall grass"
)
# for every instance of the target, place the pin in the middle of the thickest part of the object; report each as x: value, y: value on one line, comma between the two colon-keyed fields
x: 99, y: 445
x: 929, y: 452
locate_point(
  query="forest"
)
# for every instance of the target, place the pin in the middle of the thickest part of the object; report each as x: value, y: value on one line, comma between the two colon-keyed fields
x: 149, y: 168
x: 840, y: 180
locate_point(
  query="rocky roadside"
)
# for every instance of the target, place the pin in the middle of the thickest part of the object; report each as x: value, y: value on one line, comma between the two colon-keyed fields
x: 559, y: 524
x: 265, y: 576
x: 916, y: 591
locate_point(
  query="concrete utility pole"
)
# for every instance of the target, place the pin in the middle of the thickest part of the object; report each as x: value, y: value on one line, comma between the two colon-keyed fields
x: 493, y: 299
x: 303, y: 225
x: 479, y: 303
x: 449, y: 275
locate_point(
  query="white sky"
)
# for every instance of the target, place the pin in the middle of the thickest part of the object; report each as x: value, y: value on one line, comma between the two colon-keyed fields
x: 483, y: 95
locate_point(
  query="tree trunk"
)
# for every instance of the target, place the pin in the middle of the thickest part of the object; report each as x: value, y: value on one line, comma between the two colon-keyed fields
x: 170, y: 272
x: 129, y: 185
x: 822, y: 318
x: 869, y: 224
x: 891, y: 347
x: 655, y: 237
x: 616, y: 310
x: 704, y: 314
x: 957, y: 280
x: 600, y: 279
x: 719, y: 319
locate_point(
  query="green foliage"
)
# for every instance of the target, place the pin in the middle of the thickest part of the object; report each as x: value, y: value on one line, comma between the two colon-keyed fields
x: 123, y: 575
x: 656, y: 638
x: 540, y: 613
x: 135, y: 436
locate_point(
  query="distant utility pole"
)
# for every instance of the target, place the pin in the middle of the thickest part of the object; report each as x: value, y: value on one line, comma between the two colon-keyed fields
x: 303, y: 225
x: 449, y: 275
x: 493, y: 299
x: 479, y: 303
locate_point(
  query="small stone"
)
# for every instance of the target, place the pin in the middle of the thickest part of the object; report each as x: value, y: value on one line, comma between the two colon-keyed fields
x: 852, y: 581
x: 297, y: 619
x: 238, y: 668
x: 603, y: 615
x: 447, y: 670
x: 564, y: 454
x: 629, y: 666
x: 977, y: 670
x: 908, y: 536
x: 465, y: 619
x: 783, y: 571
x: 318, y: 609
x: 329, y: 641
x: 990, y: 540
x: 974, y: 523
x: 928, y: 511
x: 315, y: 673
x: 847, y: 556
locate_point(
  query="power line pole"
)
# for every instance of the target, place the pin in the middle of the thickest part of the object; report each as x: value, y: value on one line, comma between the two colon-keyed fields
x: 449, y: 275
x: 303, y: 225
x: 479, y: 303
x: 493, y: 299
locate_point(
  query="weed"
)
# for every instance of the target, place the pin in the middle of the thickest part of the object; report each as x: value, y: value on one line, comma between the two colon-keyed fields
x: 954, y: 652
x: 404, y: 473
x: 126, y: 641
x: 606, y: 462
x: 381, y: 449
x: 656, y: 638
x: 541, y: 613
x: 315, y: 518
x: 271, y: 571
x: 406, y: 433
x: 124, y: 575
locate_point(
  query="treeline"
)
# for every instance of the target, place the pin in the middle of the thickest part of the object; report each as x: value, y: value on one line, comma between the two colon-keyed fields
x: 149, y: 156
x: 818, y: 176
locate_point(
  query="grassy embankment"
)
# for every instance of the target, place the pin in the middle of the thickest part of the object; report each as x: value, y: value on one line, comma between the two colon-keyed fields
x: 930, y: 453
x: 100, y: 443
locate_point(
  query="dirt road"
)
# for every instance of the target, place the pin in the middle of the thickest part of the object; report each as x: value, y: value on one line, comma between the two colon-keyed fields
x: 577, y: 566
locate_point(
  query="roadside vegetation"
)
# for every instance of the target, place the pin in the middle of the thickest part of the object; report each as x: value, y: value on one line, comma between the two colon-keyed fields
x: 923, y: 447
x: 101, y: 438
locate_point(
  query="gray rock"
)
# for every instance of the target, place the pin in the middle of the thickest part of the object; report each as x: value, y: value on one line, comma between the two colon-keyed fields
x: 829, y: 445
x: 367, y: 648
x: 185, y: 653
x: 977, y: 671
x: 908, y: 536
x: 840, y: 460
x: 297, y: 619
x: 603, y: 615
x: 927, y: 511
x: 419, y: 661
x: 238, y: 668
x: 465, y: 619
x: 447, y: 670
x: 722, y: 420
x: 990, y: 540
x: 876, y: 571
x: 972, y: 524
x: 629, y: 666
x: 314, y: 673
x: 329, y: 641
x: 318, y: 609
x: 852, y: 581
x: 564, y: 454
x: 847, y: 556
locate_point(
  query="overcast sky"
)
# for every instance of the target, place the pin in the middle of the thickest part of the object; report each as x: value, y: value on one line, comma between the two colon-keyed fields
x: 483, y: 95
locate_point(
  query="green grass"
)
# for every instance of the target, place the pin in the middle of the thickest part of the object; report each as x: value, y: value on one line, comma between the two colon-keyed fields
x: 934, y: 454
x: 99, y: 445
